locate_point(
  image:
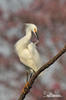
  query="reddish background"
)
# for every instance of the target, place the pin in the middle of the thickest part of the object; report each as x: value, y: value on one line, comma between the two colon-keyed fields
x: 50, y: 18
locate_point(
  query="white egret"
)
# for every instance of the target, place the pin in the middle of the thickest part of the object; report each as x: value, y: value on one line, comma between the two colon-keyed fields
x: 27, y: 51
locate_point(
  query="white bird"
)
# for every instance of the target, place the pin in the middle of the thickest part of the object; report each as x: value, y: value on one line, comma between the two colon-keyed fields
x: 27, y: 51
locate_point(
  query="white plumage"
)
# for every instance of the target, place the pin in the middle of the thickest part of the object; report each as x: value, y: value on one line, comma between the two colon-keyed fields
x: 26, y: 50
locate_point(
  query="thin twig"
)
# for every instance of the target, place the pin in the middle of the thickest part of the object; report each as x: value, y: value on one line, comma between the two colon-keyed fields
x: 28, y: 85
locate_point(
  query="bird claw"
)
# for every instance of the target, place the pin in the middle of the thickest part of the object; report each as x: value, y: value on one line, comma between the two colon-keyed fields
x: 25, y: 87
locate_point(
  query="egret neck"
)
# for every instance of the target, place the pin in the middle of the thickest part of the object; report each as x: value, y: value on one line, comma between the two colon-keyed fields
x: 23, y: 42
x: 28, y: 36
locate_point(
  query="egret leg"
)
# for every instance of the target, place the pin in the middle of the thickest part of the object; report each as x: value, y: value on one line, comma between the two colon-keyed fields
x: 27, y: 74
x: 31, y: 72
x: 31, y: 75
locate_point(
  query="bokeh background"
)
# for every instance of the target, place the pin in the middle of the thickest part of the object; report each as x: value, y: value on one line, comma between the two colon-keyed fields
x: 50, y: 18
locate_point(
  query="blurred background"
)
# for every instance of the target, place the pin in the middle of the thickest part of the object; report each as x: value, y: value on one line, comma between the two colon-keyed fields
x: 50, y: 18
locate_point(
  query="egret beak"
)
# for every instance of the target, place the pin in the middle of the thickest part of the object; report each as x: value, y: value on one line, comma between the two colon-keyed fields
x: 36, y: 35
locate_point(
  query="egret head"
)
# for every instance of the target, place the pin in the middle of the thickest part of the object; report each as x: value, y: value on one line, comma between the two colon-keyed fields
x: 33, y: 29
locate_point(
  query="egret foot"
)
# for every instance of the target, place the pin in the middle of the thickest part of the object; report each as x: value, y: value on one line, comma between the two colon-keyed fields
x: 25, y: 87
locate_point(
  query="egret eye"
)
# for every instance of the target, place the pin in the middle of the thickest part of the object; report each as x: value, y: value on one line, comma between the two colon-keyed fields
x: 35, y: 30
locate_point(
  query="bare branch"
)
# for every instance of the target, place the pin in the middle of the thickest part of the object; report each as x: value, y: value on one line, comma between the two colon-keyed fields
x: 28, y: 85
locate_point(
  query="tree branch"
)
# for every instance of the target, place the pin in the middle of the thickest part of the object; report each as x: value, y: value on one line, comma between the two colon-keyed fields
x: 28, y: 85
